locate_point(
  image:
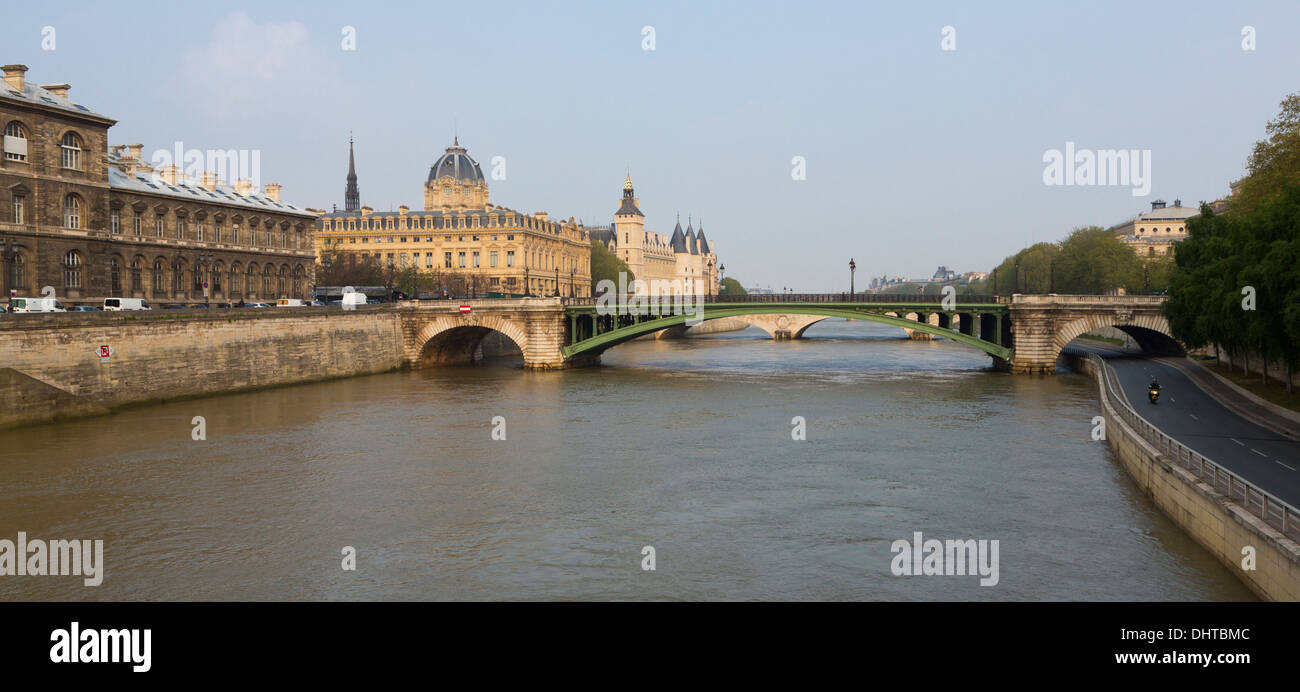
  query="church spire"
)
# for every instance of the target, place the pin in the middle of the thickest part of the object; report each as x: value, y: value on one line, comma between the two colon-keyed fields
x: 351, y: 195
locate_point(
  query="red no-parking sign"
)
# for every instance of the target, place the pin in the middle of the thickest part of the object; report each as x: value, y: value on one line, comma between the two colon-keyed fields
x: 464, y: 309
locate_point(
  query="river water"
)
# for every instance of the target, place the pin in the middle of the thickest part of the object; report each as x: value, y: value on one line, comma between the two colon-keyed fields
x: 685, y: 446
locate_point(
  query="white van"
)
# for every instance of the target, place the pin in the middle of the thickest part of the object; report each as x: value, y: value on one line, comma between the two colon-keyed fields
x: 354, y: 299
x: 290, y: 303
x: 36, y: 305
x: 115, y: 304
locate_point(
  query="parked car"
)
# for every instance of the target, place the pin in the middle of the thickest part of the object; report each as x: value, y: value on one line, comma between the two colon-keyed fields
x: 115, y: 304
x: 173, y: 306
x: 36, y: 305
x: 317, y: 304
x: 257, y: 305
x: 86, y: 308
x: 290, y: 303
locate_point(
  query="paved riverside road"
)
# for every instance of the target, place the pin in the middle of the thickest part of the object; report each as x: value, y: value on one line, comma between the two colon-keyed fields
x: 1198, y: 420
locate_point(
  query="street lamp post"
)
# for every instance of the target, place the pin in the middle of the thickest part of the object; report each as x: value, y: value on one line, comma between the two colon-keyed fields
x: 853, y: 266
x: 557, y: 282
x: 527, y: 289
x: 573, y: 281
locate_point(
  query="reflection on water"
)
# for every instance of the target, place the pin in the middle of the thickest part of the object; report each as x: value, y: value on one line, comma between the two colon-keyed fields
x: 683, y: 445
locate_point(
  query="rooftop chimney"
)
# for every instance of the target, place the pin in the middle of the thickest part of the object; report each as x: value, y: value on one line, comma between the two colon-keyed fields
x: 209, y: 181
x: 57, y: 89
x: 273, y: 191
x: 243, y: 187
x: 136, y: 150
x: 14, y: 76
x: 1178, y: 203
x: 1158, y: 204
x: 168, y: 174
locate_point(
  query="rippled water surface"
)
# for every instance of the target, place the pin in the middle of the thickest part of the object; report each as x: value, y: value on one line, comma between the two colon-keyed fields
x: 683, y: 445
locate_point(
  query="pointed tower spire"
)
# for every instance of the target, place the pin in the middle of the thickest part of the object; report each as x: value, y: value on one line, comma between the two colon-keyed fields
x: 351, y: 195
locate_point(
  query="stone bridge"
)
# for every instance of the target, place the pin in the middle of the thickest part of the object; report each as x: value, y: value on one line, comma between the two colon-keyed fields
x: 1022, y: 333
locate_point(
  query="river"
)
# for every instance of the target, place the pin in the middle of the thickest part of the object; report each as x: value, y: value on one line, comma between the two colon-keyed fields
x: 684, y: 445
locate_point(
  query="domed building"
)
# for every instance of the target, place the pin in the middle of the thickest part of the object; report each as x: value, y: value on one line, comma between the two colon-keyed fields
x: 455, y: 181
x: 461, y: 240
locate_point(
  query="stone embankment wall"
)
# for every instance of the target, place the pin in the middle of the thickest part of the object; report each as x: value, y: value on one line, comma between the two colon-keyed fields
x: 50, y: 365
x: 1220, y: 525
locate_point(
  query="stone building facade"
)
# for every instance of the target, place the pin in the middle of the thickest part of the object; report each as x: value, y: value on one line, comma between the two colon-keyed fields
x: 685, y: 256
x: 1153, y: 233
x: 94, y: 222
x: 460, y: 232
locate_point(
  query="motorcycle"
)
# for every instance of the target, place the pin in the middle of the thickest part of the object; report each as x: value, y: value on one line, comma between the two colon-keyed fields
x: 1153, y: 394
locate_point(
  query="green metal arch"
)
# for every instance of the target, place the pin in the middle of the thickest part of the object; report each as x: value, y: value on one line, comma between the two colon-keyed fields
x: 622, y: 334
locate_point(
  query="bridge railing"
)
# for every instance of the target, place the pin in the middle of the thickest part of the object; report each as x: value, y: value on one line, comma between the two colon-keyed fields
x: 865, y: 298
x: 1256, y: 500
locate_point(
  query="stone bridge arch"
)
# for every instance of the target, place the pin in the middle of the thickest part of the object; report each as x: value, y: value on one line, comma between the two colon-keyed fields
x: 456, y: 338
x: 1150, y: 331
x: 783, y: 326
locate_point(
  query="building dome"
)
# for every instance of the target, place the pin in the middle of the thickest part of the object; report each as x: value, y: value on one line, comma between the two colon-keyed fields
x: 456, y: 163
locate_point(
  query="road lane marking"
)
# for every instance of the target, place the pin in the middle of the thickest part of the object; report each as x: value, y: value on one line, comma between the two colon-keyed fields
x: 1290, y: 467
x: 1243, y: 444
x: 1193, y: 415
x: 1259, y: 452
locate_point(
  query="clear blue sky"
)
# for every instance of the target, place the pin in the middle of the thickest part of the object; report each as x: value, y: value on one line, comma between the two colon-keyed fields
x: 916, y: 156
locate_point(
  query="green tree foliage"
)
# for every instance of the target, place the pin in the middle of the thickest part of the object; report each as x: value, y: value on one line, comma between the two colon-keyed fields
x: 1252, y: 249
x: 1249, y: 250
x: 1032, y: 265
x: 605, y: 265
x: 731, y: 287
x: 1094, y: 261
x: 1091, y: 260
x: 1273, y: 161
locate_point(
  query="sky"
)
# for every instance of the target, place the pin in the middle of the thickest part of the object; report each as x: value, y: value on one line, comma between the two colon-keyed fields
x: 920, y: 129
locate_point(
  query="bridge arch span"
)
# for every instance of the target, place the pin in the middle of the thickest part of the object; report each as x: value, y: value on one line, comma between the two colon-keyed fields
x: 456, y: 339
x: 1150, y: 331
x: 814, y: 313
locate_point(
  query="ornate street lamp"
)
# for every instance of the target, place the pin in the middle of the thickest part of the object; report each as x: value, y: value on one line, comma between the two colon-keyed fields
x: 527, y: 291
x: 853, y: 266
x: 557, y: 282
x: 573, y: 280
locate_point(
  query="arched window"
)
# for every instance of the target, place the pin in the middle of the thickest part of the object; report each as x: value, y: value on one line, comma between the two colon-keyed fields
x: 250, y: 288
x: 159, y: 271
x: 216, y: 277
x: 72, y: 270
x: 178, y: 278
x: 137, y: 275
x: 71, y: 145
x: 71, y: 212
x: 16, y: 148
x: 17, y: 277
x: 236, y: 275
x: 115, y: 277
x: 268, y: 284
